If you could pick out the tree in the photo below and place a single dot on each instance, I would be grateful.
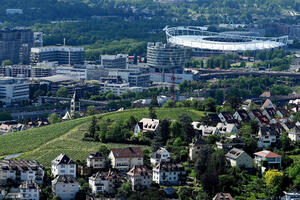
(54, 118)
(6, 63)
(154, 102)
(93, 128)
(152, 113)
(176, 129)
(5, 116)
(164, 130)
(189, 132)
(296, 117)
(91, 110)
(169, 104)
(274, 181)
(62, 92)
(201, 162)
(56, 197)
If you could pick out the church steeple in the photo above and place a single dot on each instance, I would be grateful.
(75, 105)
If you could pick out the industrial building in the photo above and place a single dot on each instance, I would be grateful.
(13, 90)
(62, 54)
(114, 61)
(15, 45)
(164, 58)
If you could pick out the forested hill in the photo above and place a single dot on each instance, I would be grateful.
(221, 10)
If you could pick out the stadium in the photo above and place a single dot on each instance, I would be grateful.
(204, 42)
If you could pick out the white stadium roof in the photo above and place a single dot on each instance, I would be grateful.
(196, 38)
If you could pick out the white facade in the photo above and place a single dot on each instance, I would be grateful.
(126, 158)
(66, 187)
(161, 155)
(139, 178)
(168, 174)
(239, 158)
(95, 160)
(13, 90)
(119, 88)
(29, 190)
(63, 165)
(99, 184)
(76, 73)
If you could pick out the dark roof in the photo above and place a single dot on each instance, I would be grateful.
(65, 179)
(63, 159)
(284, 112)
(271, 111)
(169, 191)
(96, 155)
(139, 170)
(168, 167)
(244, 115)
(130, 152)
(214, 117)
(269, 130)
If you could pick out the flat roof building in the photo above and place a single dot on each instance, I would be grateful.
(13, 90)
(114, 61)
(62, 54)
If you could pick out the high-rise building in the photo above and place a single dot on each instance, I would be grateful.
(15, 45)
(164, 58)
(62, 54)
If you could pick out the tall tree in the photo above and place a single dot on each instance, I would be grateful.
(188, 129)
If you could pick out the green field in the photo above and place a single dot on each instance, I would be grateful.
(44, 144)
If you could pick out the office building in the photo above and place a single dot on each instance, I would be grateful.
(114, 61)
(42, 71)
(13, 90)
(15, 45)
(23, 71)
(77, 73)
(62, 54)
(164, 58)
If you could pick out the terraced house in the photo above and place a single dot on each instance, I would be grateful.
(21, 171)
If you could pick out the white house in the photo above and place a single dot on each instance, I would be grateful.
(227, 118)
(227, 128)
(239, 158)
(20, 171)
(145, 125)
(241, 116)
(65, 186)
(294, 134)
(126, 158)
(104, 182)
(161, 155)
(267, 135)
(63, 165)
(273, 159)
(29, 190)
(205, 130)
(169, 174)
(291, 196)
(139, 177)
(96, 160)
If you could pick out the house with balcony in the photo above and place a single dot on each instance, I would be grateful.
(125, 158)
(63, 165)
(169, 174)
(20, 171)
(65, 186)
(271, 160)
(29, 190)
(139, 177)
(105, 182)
(96, 161)
(267, 135)
(161, 155)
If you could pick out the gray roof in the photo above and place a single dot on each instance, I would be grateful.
(64, 179)
(234, 153)
(63, 159)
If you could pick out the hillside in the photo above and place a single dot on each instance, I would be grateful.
(44, 144)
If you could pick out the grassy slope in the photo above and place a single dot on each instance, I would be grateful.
(44, 144)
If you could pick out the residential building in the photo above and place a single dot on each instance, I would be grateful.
(283, 113)
(114, 61)
(273, 160)
(205, 130)
(96, 160)
(20, 171)
(11, 127)
(169, 174)
(268, 104)
(268, 135)
(13, 90)
(291, 196)
(146, 125)
(29, 190)
(139, 177)
(270, 113)
(239, 158)
(195, 147)
(227, 128)
(246, 104)
(63, 165)
(227, 145)
(227, 118)
(241, 116)
(294, 134)
(104, 182)
(259, 117)
(223, 196)
(15, 45)
(161, 155)
(126, 158)
(62, 54)
(65, 186)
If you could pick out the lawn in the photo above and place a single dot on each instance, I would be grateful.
(67, 137)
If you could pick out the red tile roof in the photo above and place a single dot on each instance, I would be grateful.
(130, 152)
(267, 154)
